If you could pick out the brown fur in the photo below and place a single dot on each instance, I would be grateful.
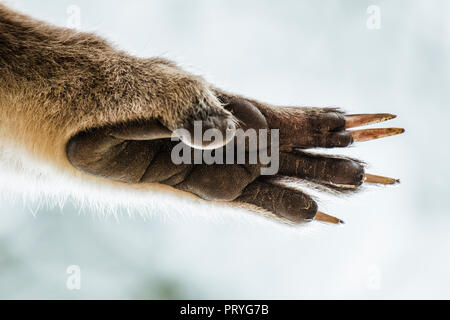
(56, 82)
(71, 100)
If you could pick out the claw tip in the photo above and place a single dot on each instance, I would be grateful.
(370, 178)
(323, 217)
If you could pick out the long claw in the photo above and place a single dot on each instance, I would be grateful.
(323, 217)
(370, 178)
(372, 134)
(358, 120)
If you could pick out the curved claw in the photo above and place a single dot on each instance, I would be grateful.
(372, 134)
(358, 120)
(370, 178)
(323, 217)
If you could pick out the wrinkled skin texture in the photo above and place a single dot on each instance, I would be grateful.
(71, 100)
(132, 153)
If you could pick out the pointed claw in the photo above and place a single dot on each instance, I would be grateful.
(323, 217)
(372, 134)
(358, 120)
(370, 178)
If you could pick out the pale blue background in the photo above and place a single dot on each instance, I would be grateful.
(396, 241)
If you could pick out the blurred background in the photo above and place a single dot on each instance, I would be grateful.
(362, 56)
